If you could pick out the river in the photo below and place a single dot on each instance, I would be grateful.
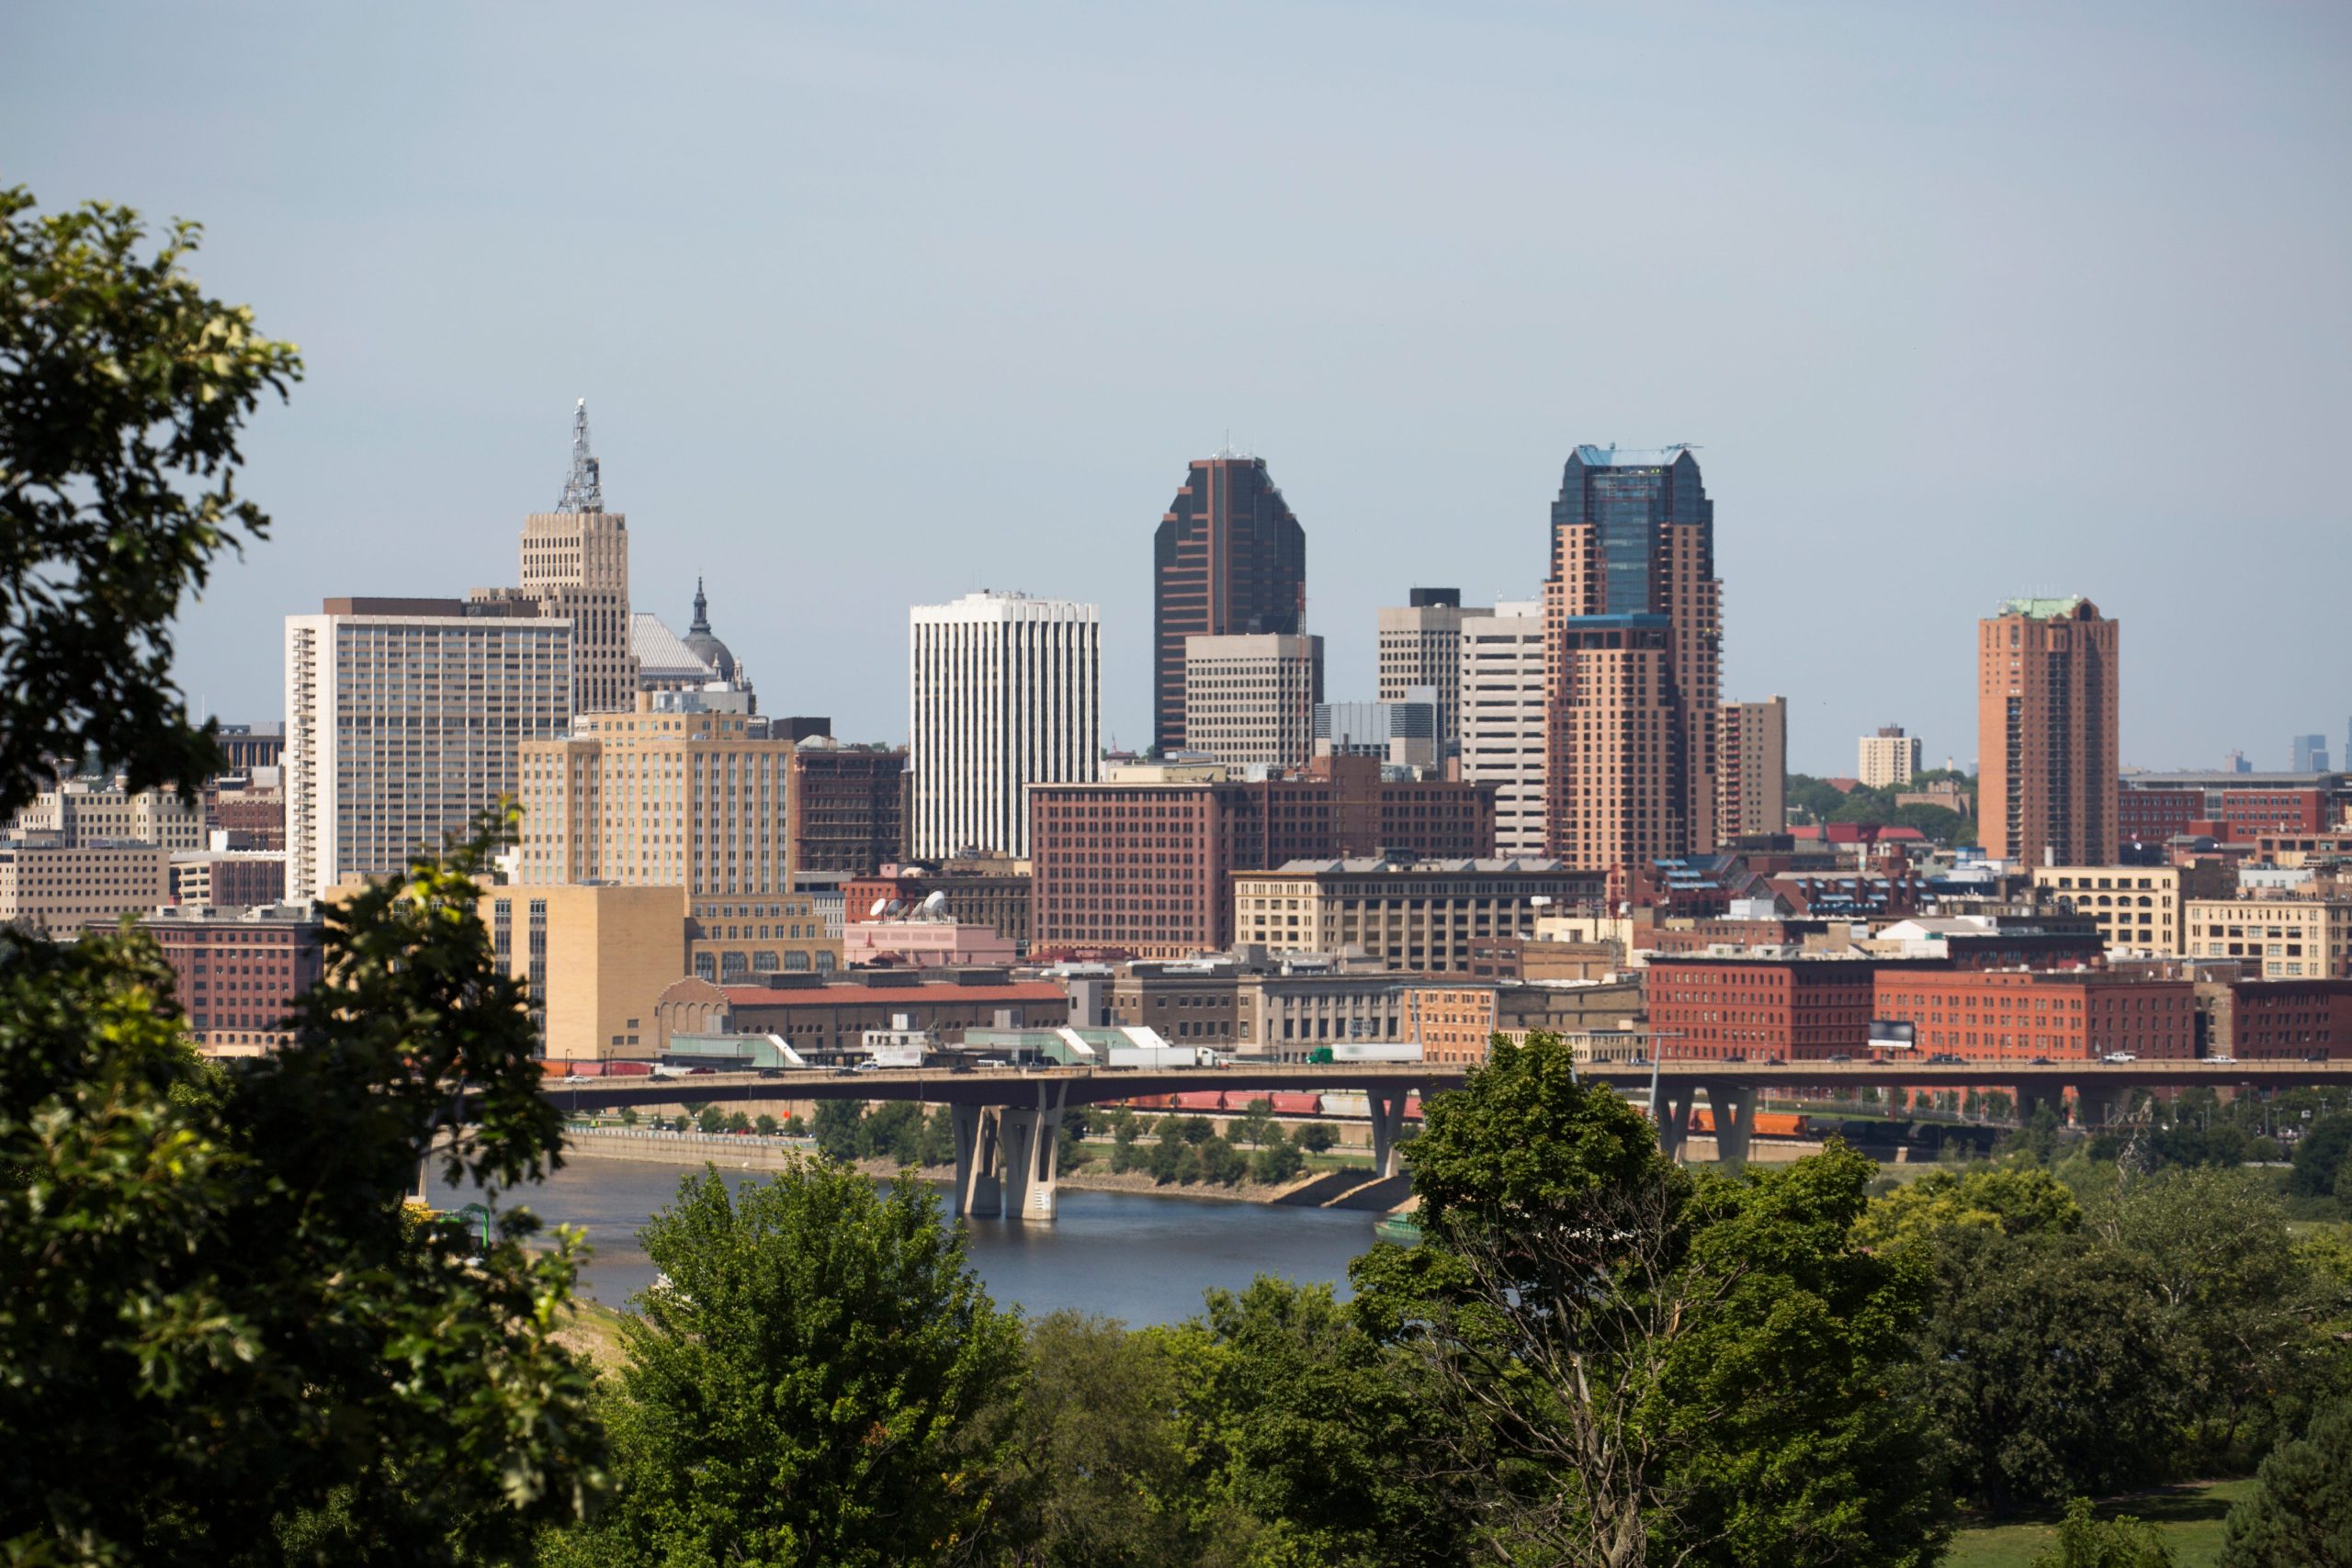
(1140, 1257)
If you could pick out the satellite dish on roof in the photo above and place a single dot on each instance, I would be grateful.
(936, 902)
(898, 907)
(874, 913)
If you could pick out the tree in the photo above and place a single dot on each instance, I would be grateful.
(629, 1116)
(821, 1379)
(837, 1129)
(795, 1126)
(2016, 1198)
(711, 1119)
(1627, 1364)
(2320, 1156)
(766, 1126)
(738, 1123)
(2300, 1513)
(1255, 1125)
(1278, 1162)
(207, 1280)
(938, 1144)
(1195, 1129)
(123, 395)
(679, 1123)
(1069, 1148)
(892, 1131)
(1221, 1163)
(1315, 1137)
(1125, 1155)
(2085, 1541)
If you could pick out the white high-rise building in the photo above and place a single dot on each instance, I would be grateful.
(1889, 757)
(402, 720)
(1004, 691)
(1420, 645)
(1502, 717)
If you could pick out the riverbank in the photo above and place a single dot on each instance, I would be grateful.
(752, 1153)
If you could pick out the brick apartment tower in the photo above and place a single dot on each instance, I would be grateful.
(575, 564)
(1632, 623)
(2046, 732)
(1229, 558)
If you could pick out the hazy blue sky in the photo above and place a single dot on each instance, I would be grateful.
(877, 304)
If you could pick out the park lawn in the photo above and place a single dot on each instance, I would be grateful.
(2190, 1515)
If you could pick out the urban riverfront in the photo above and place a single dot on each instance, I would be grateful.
(1142, 1258)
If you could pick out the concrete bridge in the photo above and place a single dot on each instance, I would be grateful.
(1008, 1118)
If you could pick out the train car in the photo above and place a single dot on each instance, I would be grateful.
(1200, 1100)
(1347, 1102)
(1285, 1102)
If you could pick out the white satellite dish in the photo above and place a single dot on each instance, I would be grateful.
(897, 907)
(876, 912)
(936, 902)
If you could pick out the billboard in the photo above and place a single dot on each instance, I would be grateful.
(1894, 1034)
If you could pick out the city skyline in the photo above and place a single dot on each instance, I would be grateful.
(1959, 256)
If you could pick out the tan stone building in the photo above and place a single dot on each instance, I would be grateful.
(1454, 1021)
(1421, 915)
(575, 567)
(46, 885)
(1888, 759)
(596, 960)
(1752, 768)
(82, 811)
(2136, 908)
(688, 801)
(1250, 699)
(2292, 938)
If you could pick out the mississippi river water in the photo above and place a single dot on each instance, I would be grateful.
(1138, 1258)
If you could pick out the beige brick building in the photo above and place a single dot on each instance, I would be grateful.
(2292, 938)
(81, 811)
(1250, 699)
(1420, 645)
(688, 801)
(2136, 908)
(1888, 759)
(596, 960)
(1421, 915)
(1752, 768)
(575, 568)
(59, 888)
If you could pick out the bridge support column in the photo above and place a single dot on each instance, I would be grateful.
(980, 1188)
(1388, 1108)
(1031, 1152)
(1671, 1110)
(2095, 1106)
(1733, 1106)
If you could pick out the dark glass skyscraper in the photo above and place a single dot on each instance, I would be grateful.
(1632, 615)
(1230, 559)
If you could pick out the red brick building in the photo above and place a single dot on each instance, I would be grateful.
(846, 811)
(2278, 1021)
(237, 972)
(1146, 866)
(1761, 1010)
(2017, 1015)
(2154, 815)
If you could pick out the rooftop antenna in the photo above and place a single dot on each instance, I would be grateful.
(582, 488)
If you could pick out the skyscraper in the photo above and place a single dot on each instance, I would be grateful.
(1752, 769)
(1501, 694)
(2046, 732)
(402, 719)
(1633, 614)
(1251, 699)
(1004, 693)
(1420, 645)
(2307, 754)
(575, 565)
(1229, 558)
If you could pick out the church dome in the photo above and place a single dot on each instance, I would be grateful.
(707, 647)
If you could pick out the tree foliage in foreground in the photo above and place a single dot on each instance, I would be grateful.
(1630, 1364)
(2300, 1513)
(818, 1379)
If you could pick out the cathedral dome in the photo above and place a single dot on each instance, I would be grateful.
(707, 647)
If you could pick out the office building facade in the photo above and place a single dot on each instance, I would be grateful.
(404, 720)
(1402, 731)
(238, 973)
(575, 568)
(1888, 759)
(88, 810)
(848, 807)
(1421, 915)
(1250, 699)
(1004, 693)
(1501, 690)
(1229, 558)
(1421, 645)
(1632, 615)
(2046, 732)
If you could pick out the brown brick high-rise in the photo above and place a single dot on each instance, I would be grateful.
(1230, 559)
(2046, 732)
(1633, 628)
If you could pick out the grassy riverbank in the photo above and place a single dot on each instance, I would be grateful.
(2190, 1518)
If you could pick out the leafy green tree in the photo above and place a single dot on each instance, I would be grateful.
(679, 1123)
(2300, 1513)
(938, 1144)
(2085, 1541)
(629, 1116)
(1315, 1137)
(222, 1340)
(1255, 1125)
(1276, 1163)
(2014, 1199)
(820, 1380)
(1629, 1364)
(837, 1129)
(1068, 1150)
(2320, 1156)
(766, 1126)
(892, 1131)
(123, 395)
(738, 1123)
(795, 1126)
(711, 1118)
(1222, 1164)
(1125, 1153)
(1194, 1130)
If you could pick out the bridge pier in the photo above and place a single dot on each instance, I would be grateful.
(1671, 1111)
(979, 1184)
(2095, 1106)
(1031, 1145)
(1387, 1106)
(1733, 1106)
